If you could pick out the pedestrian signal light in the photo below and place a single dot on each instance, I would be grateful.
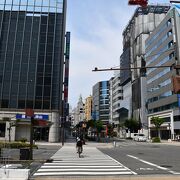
(138, 2)
(176, 84)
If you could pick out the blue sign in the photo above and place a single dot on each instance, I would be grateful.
(178, 100)
(36, 116)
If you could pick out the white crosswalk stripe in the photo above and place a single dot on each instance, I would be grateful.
(92, 162)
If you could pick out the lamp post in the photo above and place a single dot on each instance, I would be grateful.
(169, 127)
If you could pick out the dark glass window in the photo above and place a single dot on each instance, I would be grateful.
(29, 104)
(38, 104)
(39, 91)
(4, 103)
(47, 91)
(46, 105)
(21, 104)
(2, 129)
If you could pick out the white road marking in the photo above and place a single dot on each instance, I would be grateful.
(152, 164)
(149, 163)
(123, 165)
(80, 166)
(79, 169)
(82, 173)
(94, 162)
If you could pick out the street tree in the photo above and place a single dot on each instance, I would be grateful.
(12, 123)
(132, 124)
(157, 121)
(99, 127)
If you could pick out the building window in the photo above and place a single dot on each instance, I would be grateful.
(168, 22)
(2, 129)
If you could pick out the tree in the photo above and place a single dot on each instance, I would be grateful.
(91, 123)
(110, 130)
(99, 127)
(12, 123)
(157, 121)
(132, 124)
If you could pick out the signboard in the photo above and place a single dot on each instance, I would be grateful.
(36, 116)
(178, 100)
(138, 2)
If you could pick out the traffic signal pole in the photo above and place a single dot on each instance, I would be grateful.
(31, 139)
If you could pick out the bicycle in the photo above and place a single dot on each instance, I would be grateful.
(79, 150)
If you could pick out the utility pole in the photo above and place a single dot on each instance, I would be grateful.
(31, 138)
(30, 114)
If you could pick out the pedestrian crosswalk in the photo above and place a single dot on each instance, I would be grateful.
(92, 162)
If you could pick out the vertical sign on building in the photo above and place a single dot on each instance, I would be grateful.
(66, 75)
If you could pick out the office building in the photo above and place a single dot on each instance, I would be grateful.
(115, 98)
(32, 35)
(142, 23)
(162, 49)
(88, 108)
(100, 101)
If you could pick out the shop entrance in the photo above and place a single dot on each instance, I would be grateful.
(41, 133)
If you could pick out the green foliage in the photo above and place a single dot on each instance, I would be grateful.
(99, 125)
(157, 121)
(23, 140)
(91, 123)
(6, 119)
(110, 131)
(132, 124)
(156, 140)
(16, 145)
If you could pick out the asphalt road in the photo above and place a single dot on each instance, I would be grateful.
(147, 158)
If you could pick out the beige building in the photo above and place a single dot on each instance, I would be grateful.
(88, 108)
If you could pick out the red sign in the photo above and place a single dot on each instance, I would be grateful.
(138, 2)
(29, 112)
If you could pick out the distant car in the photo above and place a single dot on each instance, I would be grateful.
(134, 135)
(140, 137)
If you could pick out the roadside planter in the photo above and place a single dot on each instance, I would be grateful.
(14, 174)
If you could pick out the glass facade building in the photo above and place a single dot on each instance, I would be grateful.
(100, 106)
(31, 54)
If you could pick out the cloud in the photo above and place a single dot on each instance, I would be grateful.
(96, 41)
(96, 28)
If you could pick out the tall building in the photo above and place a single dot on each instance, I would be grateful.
(115, 98)
(162, 49)
(32, 35)
(143, 22)
(100, 101)
(88, 108)
(79, 113)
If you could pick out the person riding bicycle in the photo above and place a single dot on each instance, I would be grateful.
(79, 144)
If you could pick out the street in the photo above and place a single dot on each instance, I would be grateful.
(128, 158)
(147, 158)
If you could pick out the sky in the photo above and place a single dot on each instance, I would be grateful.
(96, 28)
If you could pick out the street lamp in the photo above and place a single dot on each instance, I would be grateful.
(169, 127)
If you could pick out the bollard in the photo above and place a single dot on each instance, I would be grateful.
(114, 143)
